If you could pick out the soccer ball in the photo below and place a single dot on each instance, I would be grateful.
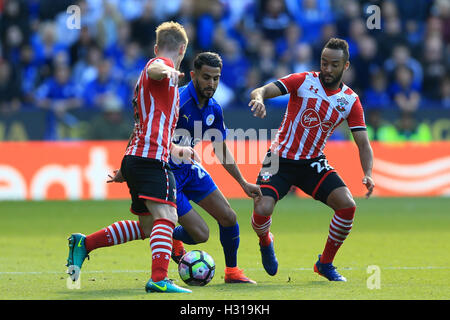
(196, 268)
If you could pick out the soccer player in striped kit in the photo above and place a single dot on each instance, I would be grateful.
(145, 165)
(319, 102)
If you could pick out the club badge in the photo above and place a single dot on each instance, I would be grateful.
(265, 176)
(210, 119)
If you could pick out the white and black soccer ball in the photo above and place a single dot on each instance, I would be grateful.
(196, 268)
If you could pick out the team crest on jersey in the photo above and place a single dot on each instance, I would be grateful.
(342, 103)
(265, 176)
(210, 119)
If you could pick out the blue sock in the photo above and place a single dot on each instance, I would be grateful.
(229, 238)
(180, 234)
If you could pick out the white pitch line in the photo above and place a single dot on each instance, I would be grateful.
(248, 269)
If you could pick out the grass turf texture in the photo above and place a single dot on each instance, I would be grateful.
(407, 238)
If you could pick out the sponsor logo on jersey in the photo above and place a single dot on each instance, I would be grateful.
(311, 119)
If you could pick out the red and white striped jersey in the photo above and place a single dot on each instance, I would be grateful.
(156, 108)
(312, 114)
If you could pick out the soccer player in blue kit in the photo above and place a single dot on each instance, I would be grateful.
(199, 108)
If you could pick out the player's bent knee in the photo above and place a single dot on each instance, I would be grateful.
(197, 228)
(201, 236)
(344, 204)
(264, 206)
(201, 233)
(347, 202)
(351, 203)
(340, 198)
(228, 219)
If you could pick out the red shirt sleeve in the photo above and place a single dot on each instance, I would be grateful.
(355, 118)
(164, 83)
(292, 81)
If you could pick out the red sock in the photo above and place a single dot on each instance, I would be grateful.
(261, 225)
(161, 245)
(117, 233)
(340, 227)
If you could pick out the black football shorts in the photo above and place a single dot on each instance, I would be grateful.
(148, 179)
(315, 177)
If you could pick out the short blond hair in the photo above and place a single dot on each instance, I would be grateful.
(170, 35)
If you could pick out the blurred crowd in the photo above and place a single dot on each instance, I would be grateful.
(404, 65)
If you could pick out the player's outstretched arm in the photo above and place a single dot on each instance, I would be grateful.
(366, 158)
(158, 71)
(258, 96)
(227, 160)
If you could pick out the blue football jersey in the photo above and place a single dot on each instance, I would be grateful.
(196, 124)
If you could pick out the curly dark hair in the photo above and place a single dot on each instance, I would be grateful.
(338, 44)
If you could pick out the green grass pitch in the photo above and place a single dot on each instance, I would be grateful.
(408, 239)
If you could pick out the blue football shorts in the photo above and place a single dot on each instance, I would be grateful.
(193, 184)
